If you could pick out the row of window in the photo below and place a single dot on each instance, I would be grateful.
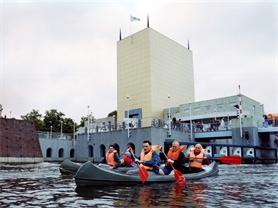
(90, 150)
(49, 153)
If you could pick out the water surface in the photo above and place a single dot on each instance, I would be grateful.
(42, 185)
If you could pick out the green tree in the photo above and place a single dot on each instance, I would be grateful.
(113, 113)
(53, 118)
(35, 117)
(68, 125)
(83, 120)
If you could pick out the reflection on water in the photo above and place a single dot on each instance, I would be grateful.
(42, 185)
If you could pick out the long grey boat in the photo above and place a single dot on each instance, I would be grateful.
(90, 174)
(69, 167)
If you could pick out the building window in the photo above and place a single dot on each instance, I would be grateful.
(72, 153)
(208, 107)
(232, 104)
(102, 150)
(49, 152)
(220, 106)
(90, 151)
(61, 152)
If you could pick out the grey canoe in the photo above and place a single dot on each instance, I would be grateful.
(90, 174)
(70, 167)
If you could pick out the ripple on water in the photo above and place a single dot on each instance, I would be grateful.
(42, 185)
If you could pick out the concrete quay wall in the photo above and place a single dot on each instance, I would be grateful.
(98, 141)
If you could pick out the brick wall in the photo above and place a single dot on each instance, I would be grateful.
(18, 138)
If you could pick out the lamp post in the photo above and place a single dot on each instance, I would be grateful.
(115, 123)
(127, 98)
(214, 114)
(191, 130)
(169, 115)
(50, 132)
(240, 111)
(73, 132)
(88, 127)
(228, 122)
(61, 128)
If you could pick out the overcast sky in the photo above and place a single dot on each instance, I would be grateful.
(62, 54)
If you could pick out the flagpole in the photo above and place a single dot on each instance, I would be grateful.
(131, 20)
(240, 111)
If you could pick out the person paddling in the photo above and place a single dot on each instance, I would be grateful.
(149, 159)
(111, 158)
(196, 159)
(129, 156)
(175, 156)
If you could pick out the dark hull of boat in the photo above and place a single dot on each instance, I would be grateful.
(90, 174)
(69, 167)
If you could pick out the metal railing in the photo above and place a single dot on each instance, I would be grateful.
(139, 123)
(54, 135)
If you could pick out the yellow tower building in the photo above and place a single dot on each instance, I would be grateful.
(153, 73)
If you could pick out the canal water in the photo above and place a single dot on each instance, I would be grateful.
(42, 185)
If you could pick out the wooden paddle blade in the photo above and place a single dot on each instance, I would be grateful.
(179, 177)
(234, 159)
(143, 173)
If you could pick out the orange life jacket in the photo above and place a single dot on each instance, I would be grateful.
(196, 160)
(174, 155)
(110, 158)
(148, 156)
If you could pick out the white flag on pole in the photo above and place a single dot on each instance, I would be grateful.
(134, 19)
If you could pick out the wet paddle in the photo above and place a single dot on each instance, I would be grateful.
(143, 173)
(178, 175)
(234, 159)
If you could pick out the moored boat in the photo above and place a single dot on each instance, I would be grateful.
(90, 174)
